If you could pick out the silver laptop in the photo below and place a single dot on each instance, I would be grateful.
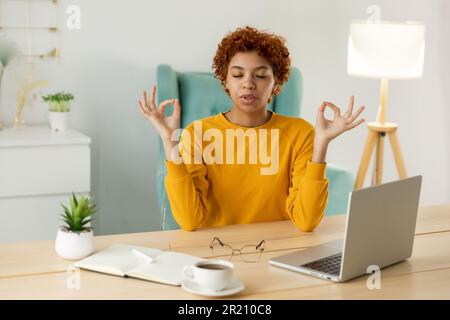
(380, 227)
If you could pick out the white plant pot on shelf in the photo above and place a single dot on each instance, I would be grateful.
(58, 121)
(72, 246)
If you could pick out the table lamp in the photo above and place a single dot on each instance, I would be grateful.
(384, 50)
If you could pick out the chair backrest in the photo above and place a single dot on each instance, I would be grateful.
(201, 95)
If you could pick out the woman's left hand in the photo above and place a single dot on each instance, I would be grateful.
(327, 130)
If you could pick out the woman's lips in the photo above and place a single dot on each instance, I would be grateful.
(248, 99)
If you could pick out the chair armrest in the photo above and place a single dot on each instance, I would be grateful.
(167, 220)
(340, 184)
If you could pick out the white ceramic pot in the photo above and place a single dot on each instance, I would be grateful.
(58, 121)
(72, 246)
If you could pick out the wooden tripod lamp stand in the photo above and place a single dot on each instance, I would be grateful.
(384, 50)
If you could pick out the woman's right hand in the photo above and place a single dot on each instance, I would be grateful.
(164, 125)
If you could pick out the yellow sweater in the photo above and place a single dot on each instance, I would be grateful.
(213, 187)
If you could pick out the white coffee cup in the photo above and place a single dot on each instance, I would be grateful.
(212, 275)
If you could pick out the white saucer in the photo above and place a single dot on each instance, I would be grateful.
(233, 287)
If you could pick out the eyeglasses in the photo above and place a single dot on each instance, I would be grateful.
(248, 253)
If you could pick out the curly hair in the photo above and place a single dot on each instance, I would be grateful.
(267, 45)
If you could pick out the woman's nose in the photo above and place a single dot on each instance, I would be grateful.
(248, 84)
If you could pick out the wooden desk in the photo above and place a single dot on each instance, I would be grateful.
(32, 270)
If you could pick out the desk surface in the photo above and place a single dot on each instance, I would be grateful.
(32, 270)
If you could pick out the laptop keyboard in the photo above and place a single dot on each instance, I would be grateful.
(330, 265)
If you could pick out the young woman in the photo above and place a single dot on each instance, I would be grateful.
(252, 66)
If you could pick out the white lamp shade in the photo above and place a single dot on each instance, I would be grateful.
(389, 50)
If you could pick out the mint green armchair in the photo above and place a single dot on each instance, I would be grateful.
(201, 95)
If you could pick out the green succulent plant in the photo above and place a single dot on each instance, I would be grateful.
(59, 102)
(80, 214)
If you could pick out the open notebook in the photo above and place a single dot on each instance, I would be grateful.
(140, 262)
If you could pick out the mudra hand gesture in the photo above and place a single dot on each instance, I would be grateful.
(327, 130)
(164, 125)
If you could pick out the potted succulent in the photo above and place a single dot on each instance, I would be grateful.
(75, 240)
(59, 108)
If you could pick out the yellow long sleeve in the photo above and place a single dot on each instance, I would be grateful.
(308, 194)
(187, 192)
(210, 194)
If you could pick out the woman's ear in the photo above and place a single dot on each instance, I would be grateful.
(225, 85)
(275, 89)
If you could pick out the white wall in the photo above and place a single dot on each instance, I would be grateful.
(114, 56)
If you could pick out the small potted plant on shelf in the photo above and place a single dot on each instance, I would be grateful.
(75, 240)
(59, 108)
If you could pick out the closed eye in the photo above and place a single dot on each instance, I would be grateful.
(261, 77)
